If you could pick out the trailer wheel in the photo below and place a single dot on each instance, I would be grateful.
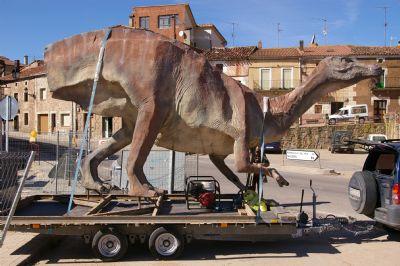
(109, 245)
(165, 243)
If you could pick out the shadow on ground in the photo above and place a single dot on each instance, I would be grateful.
(73, 250)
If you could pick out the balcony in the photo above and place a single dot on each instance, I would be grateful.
(277, 85)
(389, 83)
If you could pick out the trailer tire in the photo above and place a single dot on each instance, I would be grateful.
(109, 245)
(166, 243)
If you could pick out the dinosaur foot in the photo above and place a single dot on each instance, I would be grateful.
(142, 191)
(99, 187)
(158, 190)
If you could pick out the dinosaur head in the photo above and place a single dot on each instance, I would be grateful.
(346, 70)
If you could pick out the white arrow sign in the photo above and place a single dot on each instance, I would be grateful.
(301, 155)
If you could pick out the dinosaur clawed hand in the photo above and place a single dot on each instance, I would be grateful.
(272, 172)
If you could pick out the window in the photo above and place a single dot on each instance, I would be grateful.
(16, 96)
(382, 80)
(164, 22)
(65, 120)
(26, 95)
(287, 78)
(16, 84)
(42, 94)
(144, 22)
(26, 119)
(318, 109)
(265, 81)
(26, 83)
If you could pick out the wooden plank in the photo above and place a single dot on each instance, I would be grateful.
(159, 202)
(86, 203)
(100, 205)
(249, 211)
(242, 212)
(135, 211)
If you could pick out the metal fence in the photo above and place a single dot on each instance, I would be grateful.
(56, 156)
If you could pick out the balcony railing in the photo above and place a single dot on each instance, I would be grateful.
(276, 85)
(389, 83)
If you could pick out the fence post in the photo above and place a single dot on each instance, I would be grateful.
(68, 160)
(57, 159)
(197, 164)
(172, 172)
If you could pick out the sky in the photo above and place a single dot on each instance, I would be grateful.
(27, 26)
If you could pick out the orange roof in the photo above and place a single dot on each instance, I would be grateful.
(230, 53)
(375, 50)
(6, 60)
(27, 72)
(270, 53)
(328, 50)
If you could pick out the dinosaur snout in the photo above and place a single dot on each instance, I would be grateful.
(376, 70)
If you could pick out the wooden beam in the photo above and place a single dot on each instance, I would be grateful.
(249, 211)
(135, 211)
(100, 205)
(86, 203)
(159, 202)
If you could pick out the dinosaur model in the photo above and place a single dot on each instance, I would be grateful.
(168, 94)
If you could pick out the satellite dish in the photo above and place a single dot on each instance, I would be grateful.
(182, 34)
(13, 108)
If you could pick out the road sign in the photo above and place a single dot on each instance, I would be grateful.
(12, 104)
(301, 155)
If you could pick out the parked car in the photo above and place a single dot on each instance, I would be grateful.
(273, 147)
(376, 137)
(375, 191)
(339, 142)
(351, 112)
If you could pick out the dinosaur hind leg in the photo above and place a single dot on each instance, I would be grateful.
(218, 161)
(148, 124)
(91, 180)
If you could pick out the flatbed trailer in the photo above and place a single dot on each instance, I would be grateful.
(164, 223)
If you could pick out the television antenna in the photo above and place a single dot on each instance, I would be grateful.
(279, 30)
(385, 9)
(325, 28)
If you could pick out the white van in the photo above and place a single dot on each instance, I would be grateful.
(351, 112)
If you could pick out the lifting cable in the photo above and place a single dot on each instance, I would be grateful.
(89, 113)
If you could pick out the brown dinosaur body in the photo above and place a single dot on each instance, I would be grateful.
(169, 95)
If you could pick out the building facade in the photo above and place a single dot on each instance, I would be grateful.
(276, 71)
(176, 22)
(39, 111)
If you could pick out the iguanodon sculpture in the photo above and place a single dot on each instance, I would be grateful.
(168, 94)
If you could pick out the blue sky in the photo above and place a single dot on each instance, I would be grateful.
(27, 26)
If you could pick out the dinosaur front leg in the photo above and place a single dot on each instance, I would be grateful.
(243, 165)
(218, 161)
(148, 124)
(90, 164)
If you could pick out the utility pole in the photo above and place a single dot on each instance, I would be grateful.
(385, 8)
(279, 30)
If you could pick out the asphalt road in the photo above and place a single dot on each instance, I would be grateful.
(330, 249)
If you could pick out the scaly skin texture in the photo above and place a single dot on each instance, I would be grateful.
(169, 95)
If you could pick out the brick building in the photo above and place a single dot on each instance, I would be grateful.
(275, 71)
(39, 111)
(177, 22)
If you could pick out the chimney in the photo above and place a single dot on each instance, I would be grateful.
(259, 45)
(26, 61)
(301, 45)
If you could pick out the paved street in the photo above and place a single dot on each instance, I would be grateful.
(331, 249)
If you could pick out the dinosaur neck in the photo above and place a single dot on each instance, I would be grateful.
(287, 108)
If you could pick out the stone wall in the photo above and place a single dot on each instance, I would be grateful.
(320, 137)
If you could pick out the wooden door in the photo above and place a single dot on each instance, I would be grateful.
(43, 123)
